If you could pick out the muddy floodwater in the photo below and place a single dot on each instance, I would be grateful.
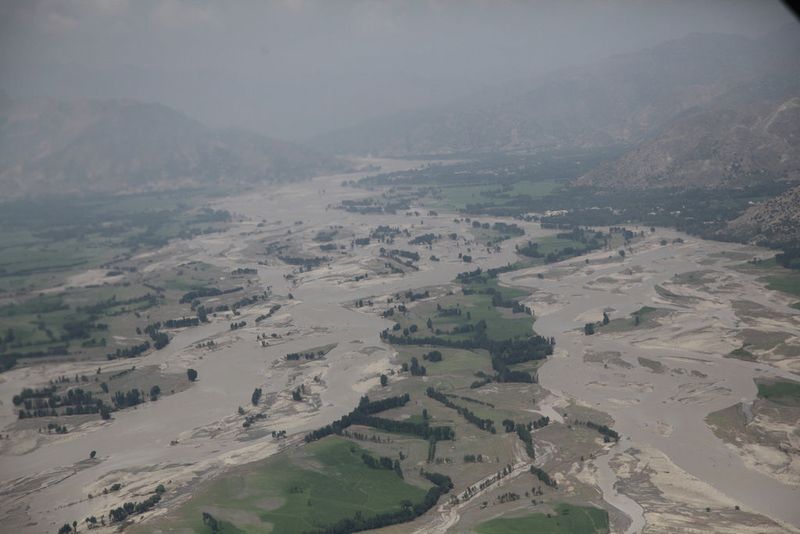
(194, 434)
(663, 406)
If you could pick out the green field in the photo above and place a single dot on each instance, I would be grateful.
(459, 197)
(780, 391)
(567, 519)
(500, 323)
(297, 491)
(648, 318)
(788, 282)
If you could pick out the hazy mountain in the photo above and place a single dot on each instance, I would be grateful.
(123, 145)
(750, 133)
(619, 100)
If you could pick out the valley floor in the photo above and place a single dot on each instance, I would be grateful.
(656, 380)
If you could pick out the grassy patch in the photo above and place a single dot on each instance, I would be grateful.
(302, 490)
(644, 317)
(742, 354)
(459, 197)
(788, 282)
(568, 519)
(780, 391)
(500, 323)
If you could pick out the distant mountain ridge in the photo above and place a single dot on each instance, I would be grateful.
(618, 100)
(751, 133)
(71, 147)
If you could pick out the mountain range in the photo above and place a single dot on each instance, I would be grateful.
(55, 147)
(703, 111)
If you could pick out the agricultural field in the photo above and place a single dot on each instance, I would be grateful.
(304, 490)
(565, 519)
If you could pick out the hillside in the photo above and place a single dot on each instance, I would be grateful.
(621, 100)
(125, 146)
(749, 134)
(774, 222)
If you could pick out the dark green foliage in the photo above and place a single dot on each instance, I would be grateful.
(483, 424)
(362, 415)
(543, 476)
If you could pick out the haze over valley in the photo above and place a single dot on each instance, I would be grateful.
(432, 267)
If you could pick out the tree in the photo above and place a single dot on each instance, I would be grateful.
(384, 380)
(92, 455)
(211, 522)
(155, 391)
(605, 318)
(192, 374)
(588, 329)
(621, 253)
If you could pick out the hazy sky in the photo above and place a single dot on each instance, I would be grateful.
(294, 68)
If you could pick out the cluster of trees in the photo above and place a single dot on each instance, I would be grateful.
(97, 308)
(160, 339)
(55, 427)
(542, 475)
(508, 496)
(508, 229)
(238, 325)
(384, 462)
(432, 356)
(415, 368)
(499, 302)
(789, 258)
(134, 508)
(129, 352)
(503, 352)
(270, 313)
(408, 511)
(306, 264)
(126, 400)
(207, 292)
(294, 356)
(483, 424)
(542, 422)
(473, 458)
(411, 296)
(424, 239)
(448, 312)
(183, 322)
(246, 301)
(608, 433)
(45, 402)
(244, 271)
(524, 434)
(363, 414)
(211, 522)
(387, 233)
